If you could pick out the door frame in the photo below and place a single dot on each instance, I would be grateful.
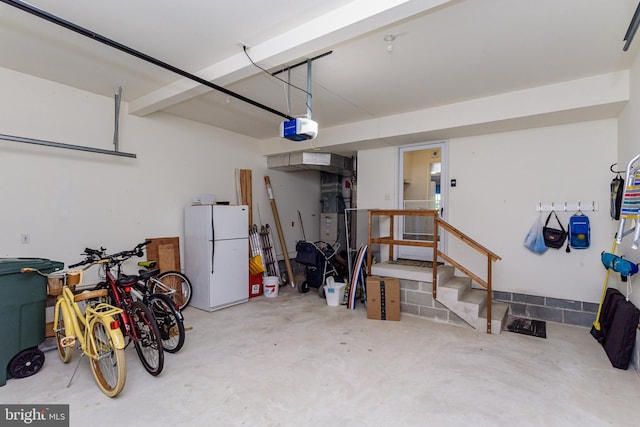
(444, 191)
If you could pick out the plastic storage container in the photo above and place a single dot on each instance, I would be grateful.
(334, 292)
(23, 298)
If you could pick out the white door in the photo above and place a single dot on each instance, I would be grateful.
(421, 186)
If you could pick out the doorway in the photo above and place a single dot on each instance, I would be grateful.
(422, 173)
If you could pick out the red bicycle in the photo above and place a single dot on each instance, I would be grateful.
(144, 287)
(136, 320)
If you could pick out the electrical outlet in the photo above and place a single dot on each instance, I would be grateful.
(25, 238)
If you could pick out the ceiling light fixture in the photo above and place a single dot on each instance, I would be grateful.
(389, 38)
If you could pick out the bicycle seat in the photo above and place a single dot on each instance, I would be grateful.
(125, 280)
(146, 274)
(148, 264)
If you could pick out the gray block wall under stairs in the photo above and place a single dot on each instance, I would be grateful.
(457, 302)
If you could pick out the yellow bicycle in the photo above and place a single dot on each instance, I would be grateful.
(97, 334)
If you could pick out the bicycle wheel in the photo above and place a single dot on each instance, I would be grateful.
(147, 338)
(61, 329)
(108, 367)
(169, 321)
(179, 283)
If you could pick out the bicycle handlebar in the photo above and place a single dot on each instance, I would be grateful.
(78, 264)
(125, 255)
(97, 255)
(97, 252)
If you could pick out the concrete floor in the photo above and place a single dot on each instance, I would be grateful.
(294, 361)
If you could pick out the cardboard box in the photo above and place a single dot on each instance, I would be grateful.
(383, 298)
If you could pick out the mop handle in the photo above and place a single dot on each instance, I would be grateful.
(596, 323)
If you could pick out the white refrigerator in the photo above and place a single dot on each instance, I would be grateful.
(216, 254)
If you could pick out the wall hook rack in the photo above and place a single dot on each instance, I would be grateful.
(567, 207)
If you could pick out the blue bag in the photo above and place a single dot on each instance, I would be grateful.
(579, 231)
(534, 240)
(618, 264)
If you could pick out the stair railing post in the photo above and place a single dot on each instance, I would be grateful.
(392, 236)
(436, 224)
(489, 293)
(369, 245)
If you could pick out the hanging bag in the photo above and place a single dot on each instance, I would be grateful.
(553, 237)
(618, 264)
(534, 241)
(579, 231)
(617, 191)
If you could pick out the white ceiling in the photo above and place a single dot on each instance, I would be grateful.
(444, 52)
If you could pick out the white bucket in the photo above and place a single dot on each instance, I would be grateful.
(270, 286)
(334, 293)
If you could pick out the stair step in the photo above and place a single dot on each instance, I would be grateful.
(454, 288)
(445, 272)
(468, 303)
(499, 313)
(475, 296)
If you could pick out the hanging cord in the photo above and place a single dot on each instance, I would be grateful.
(629, 290)
(284, 88)
(244, 48)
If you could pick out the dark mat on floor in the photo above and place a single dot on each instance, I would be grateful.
(414, 263)
(520, 325)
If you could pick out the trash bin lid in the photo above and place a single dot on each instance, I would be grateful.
(13, 265)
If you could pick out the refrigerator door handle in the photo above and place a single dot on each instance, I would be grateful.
(213, 240)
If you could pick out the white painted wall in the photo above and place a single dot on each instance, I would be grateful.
(377, 187)
(67, 200)
(500, 180)
(377, 178)
(628, 148)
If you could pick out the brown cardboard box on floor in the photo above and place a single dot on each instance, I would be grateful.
(383, 298)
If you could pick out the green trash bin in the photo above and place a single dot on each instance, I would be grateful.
(23, 297)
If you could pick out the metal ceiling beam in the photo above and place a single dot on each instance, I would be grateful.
(335, 27)
(633, 27)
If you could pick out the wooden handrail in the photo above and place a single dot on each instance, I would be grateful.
(466, 239)
(438, 222)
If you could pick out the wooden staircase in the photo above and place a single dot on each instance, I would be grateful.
(457, 294)
(474, 306)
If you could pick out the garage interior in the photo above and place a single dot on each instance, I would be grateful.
(118, 118)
